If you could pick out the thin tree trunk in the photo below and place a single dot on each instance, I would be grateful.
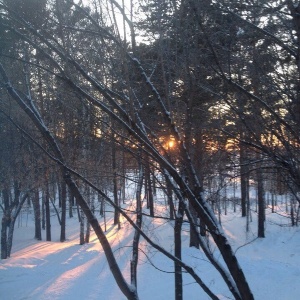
(115, 184)
(63, 211)
(260, 203)
(37, 215)
(81, 229)
(48, 215)
(244, 179)
(71, 204)
(170, 198)
(88, 226)
(177, 252)
(148, 187)
(136, 238)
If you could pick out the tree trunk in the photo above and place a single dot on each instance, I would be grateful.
(136, 238)
(43, 213)
(48, 215)
(148, 187)
(88, 226)
(170, 198)
(177, 251)
(37, 215)
(244, 179)
(4, 227)
(260, 203)
(5, 222)
(63, 211)
(81, 228)
(115, 184)
(12, 224)
(71, 204)
(194, 241)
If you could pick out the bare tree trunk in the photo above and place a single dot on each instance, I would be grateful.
(115, 184)
(4, 227)
(63, 211)
(12, 223)
(136, 238)
(81, 228)
(48, 214)
(148, 187)
(177, 251)
(5, 222)
(260, 203)
(170, 198)
(71, 204)
(244, 179)
(37, 215)
(88, 225)
(194, 241)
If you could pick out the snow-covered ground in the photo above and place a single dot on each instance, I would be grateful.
(53, 270)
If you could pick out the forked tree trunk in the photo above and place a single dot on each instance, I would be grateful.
(5, 222)
(4, 228)
(14, 216)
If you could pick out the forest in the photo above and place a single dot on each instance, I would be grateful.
(196, 99)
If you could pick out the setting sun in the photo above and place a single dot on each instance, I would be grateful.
(171, 144)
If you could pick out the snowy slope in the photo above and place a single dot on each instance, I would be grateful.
(54, 270)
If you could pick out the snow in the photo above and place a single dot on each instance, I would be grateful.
(53, 270)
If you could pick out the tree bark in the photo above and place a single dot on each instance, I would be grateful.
(261, 203)
(48, 215)
(37, 215)
(244, 179)
(136, 238)
(63, 211)
(4, 227)
(177, 252)
(115, 184)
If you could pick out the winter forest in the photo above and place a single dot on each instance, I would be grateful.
(161, 137)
